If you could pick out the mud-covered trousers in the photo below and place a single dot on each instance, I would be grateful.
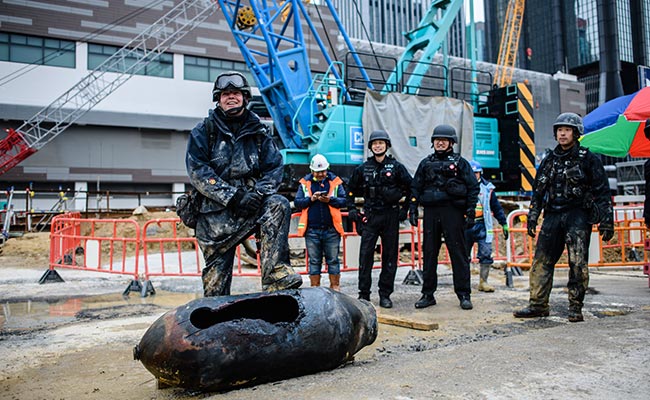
(273, 219)
(385, 224)
(559, 228)
(447, 221)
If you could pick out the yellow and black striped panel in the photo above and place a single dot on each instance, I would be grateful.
(526, 136)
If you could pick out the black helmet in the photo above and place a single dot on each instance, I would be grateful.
(231, 80)
(444, 132)
(378, 135)
(569, 119)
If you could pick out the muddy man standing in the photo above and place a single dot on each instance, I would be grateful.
(572, 188)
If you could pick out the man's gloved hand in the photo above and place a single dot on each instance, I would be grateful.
(353, 215)
(532, 228)
(413, 215)
(403, 214)
(251, 202)
(470, 218)
(506, 231)
(606, 230)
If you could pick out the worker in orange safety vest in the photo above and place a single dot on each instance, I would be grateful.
(320, 197)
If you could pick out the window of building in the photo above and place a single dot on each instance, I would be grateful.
(207, 69)
(162, 67)
(37, 50)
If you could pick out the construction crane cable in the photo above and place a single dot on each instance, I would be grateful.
(40, 62)
(322, 23)
(365, 31)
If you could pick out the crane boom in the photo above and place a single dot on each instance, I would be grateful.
(271, 39)
(509, 43)
(428, 37)
(145, 48)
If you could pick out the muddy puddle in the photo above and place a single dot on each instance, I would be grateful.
(16, 317)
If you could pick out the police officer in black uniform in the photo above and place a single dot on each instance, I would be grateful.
(234, 163)
(572, 188)
(382, 181)
(446, 187)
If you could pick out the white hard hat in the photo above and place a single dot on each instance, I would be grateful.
(319, 163)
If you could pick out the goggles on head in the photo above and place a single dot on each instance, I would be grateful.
(234, 81)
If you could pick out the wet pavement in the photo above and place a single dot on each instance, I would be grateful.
(75, 340)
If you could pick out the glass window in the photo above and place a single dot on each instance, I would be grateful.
(37, 50)
(162, 67)
(207, 69)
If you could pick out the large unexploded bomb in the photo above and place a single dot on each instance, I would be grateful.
(221, 343)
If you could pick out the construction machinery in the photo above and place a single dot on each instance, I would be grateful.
(144, 49)
(312, 113)
(509, 44)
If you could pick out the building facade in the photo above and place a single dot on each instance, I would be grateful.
(601, 41)
(134, 140)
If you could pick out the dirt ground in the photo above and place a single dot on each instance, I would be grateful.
(75, 339)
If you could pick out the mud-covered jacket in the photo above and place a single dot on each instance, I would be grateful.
(444, 179)
(219, 161)
(381, 185)
(318, 214)
(572, 179)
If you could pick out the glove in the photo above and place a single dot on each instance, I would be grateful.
(413, 215)
(532, 228)
(470, 218)
(606, 231)
(353, 215)
(506, 231)
(251, 202)
(403, 214)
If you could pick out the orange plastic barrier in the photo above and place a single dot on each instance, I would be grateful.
(345, 265)
(102, 245)
(622, 250)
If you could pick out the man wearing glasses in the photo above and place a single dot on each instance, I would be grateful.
(236, 166)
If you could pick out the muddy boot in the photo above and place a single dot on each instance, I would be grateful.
(575, 314)
(314, 280)
(335, 282)
(531, 312)
(483, 286)
(282, 277)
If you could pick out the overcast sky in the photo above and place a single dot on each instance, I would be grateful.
(478, 10)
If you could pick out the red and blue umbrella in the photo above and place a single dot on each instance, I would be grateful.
(616, 127)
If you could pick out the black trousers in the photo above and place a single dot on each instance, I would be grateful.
(447, 221)
(382, 224)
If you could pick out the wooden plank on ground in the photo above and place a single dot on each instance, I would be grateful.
(407, 323)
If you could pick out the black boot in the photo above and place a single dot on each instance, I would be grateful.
(385, 302)
(364, 296)
(575, 314)
(466, 303)
(425, 301)
(531, 312)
